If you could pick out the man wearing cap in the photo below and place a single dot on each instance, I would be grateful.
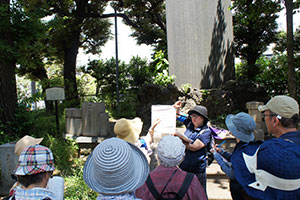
(167, 179)
(281, 116)
(36, 165)
(270, 169)
(198, 132)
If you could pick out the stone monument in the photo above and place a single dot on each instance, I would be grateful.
(200, 39)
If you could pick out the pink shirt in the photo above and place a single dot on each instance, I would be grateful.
(160, 176)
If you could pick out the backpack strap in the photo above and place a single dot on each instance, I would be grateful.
(185, 185)
(152, 188)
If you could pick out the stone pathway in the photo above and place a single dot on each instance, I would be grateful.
(217, 183)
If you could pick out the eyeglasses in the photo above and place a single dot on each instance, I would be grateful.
(264, 115)
(194, 116)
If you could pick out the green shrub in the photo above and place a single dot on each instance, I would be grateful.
(64, 151)
(76, 188)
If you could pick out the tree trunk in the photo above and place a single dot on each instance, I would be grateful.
(8, 91)
(290, 49)
(70, 56)
(252, 68)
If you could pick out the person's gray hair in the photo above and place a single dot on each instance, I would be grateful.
(170, 151)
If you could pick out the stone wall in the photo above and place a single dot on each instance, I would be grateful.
(150, 95)
(230, 98)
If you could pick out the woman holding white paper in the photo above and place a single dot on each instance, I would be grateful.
(197, 131)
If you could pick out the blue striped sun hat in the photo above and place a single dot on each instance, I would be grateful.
(115, 167)
(35, 159)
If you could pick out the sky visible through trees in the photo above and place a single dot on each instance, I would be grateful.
(129, 48)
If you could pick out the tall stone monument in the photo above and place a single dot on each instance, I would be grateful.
(200, 42)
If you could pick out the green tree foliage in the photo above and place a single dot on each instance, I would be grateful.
(274, 70)
(148, 20)
(254, 29)
(73, 24)
(132, 76)
(20, 44)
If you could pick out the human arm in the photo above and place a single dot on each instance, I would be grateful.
(149, 137)
(179, 116)
(223, 153)
(202, 140)
(225, 165)
(195, 146)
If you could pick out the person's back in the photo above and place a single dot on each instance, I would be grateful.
(169, 181)
(269, 169)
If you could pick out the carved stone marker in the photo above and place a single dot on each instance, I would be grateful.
(74, 121)
(200, 38)
(94, 119)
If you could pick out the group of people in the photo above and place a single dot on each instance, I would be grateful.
(118, 168)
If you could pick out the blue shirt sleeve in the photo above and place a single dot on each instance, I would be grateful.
(182, 117)
(205, 137)
(225, 165)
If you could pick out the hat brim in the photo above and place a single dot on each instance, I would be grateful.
(238, 134)
(262, 108)
(141, 171)
(30, 170)
(194, 111)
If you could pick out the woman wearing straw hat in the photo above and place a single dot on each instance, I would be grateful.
(130, 130)
(200, 135)
(242, 126)
(115, 169)
(168, 179)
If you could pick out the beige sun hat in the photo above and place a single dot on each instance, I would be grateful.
(128, 129)
(282, 105)
(25, 142)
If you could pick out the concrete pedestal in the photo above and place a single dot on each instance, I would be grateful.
(8, 163)
(260, 125)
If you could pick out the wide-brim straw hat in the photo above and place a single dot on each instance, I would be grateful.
(128, 129)
(25, 142)
(115, 167)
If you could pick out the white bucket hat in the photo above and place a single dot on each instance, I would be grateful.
(170, 151)
(128, 129)
(115, 167)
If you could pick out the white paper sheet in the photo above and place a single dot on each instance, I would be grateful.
(167, 115)
(56, 185)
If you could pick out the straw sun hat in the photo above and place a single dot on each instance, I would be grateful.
(128, 129)
(115, 167)
(25, 142)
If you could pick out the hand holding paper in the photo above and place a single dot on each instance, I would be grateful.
(183, 137)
